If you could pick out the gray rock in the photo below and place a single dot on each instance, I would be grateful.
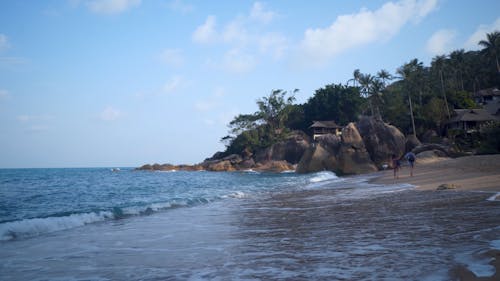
(412, 142)
(381, 139)
(344, 155)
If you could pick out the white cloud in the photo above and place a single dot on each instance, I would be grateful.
(480, 34)
(212, 102)
(205, 105)
(111, 6)
(4, 42)
(4, 94)
(110, 114)
(37, 128)
(260, 14)
(172, 57)
(349, 31)
(441, 42)
(247, 42)
(237, 61)
(180, 6)
(236, 33)
(173, 84)
(206, 32)
(33, 118)
(274, 44)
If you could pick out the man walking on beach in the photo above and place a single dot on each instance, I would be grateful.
(410, 156)
(395, 165)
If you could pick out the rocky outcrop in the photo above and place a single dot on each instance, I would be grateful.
(381, 139)
(290, 150)
(446, 150)
(361, 148)
(343, 155)
(411, 142)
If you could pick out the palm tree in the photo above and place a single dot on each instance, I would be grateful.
(457, 60)
(439, 63)
(408, 72)
(355, 77)
(384, 75)
(492, 46)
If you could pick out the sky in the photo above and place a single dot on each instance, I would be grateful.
(121, 83)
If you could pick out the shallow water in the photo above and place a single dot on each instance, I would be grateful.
(335, 229)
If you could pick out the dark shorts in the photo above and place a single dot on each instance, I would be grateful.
(412, 163)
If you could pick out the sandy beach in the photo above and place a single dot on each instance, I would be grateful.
(470, 173)
(480, 173)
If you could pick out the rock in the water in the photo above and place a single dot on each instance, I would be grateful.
(274, 166)
(219, 166)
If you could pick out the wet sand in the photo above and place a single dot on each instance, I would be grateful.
(471, 173)
(479, 173)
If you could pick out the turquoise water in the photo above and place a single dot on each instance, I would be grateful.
(35, 201)
(96, 224)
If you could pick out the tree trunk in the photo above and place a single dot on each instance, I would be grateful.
(444, 94)
(411, 114)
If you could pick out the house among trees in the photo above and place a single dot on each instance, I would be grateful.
(470, 120)
(325, 127)
(489, 99)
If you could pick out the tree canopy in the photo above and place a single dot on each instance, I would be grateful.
(421, 98)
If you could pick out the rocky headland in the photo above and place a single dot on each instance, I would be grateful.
(363, 147)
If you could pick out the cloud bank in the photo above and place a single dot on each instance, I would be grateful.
(244, 37)
(111, 6)
(441, 42)
(320, 45)
(480, 34)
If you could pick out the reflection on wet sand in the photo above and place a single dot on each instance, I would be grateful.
(412, 235)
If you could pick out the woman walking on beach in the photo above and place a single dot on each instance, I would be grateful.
(395, 165)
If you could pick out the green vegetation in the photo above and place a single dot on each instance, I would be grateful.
(422, 98)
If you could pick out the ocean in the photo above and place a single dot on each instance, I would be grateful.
(100, 224)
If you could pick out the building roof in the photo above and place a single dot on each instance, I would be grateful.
(472, 115)
(487, 92)
(493, 107)
(325, 124)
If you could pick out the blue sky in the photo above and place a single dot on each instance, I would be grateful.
(87, 83)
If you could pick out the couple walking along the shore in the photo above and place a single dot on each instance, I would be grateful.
(396, 163)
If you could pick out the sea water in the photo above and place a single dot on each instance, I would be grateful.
(103, 224)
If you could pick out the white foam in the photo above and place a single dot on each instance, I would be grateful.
(323, 176)
(37, 226)
(236, 194)
(480, 267)
(250, 171)
(495, 197)
(495, 244)
(288, 171)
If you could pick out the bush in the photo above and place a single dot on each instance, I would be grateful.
(490, 139)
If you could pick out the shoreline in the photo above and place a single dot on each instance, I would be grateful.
(468, 173)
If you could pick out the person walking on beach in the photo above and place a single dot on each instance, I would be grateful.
(395, 165)
(410, 156)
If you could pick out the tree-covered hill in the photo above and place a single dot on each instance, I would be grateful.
(416, 98)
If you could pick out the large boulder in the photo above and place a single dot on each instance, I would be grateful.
(381, 139)
(446, 151)
(317, 158)
(353, 156)
(274, 166)
(343, 155)
(290, 150)
(219, 166)
(411, 142)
